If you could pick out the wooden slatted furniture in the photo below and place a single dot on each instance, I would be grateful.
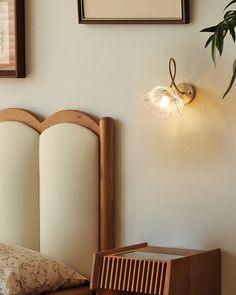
(143, 269)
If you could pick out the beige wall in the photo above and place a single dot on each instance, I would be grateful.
(175, 179)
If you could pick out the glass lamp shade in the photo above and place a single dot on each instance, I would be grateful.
(165, 100)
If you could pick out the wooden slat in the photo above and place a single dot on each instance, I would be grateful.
(158, 276)
(117, 274)
(162, 279)
(148, 277)
(153, 273)
(97, 279)
(104, 269)
(134, 278)
(113, 272)
(108, 272)
(142, 286)
(121, 278)
(131, 271)
(138, 283)
(126, 273)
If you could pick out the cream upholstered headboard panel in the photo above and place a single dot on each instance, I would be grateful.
(69, 194)
(19, 185)
(56, 184)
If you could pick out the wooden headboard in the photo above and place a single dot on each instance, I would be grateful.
(57, 184)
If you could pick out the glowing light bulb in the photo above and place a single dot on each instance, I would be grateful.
(164, 102)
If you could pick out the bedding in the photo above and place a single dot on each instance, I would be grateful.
(24, 271)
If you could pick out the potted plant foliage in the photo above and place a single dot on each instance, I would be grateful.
(218, 34)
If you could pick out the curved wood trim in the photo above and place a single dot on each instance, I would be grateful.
(66, 116)
(71, 116)
(21, 116)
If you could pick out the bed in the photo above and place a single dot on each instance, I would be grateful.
(57, 186)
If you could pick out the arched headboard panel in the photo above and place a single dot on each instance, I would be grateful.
(64, 163)
(19, 184)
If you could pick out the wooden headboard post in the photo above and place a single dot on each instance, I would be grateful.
(107, 226)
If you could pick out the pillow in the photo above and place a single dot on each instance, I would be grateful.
(24, 271)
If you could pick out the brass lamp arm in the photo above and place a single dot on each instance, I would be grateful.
(172, 72)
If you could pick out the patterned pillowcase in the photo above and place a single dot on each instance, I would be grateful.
(24, 271)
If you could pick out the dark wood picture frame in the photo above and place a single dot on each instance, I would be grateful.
(12, 64)
(183, 20)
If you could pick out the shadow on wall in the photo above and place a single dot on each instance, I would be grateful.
(203, 132)
(201, 146)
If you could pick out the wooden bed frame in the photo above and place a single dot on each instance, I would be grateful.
(104, 130)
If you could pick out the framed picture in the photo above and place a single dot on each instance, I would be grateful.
(134, 11)
(12, 39)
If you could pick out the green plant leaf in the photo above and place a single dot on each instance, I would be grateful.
(210, 29)
(229, 14)
(230, 3)
(230, 23)
(213, 51)
(231, 81)
(219, 32)
(232, 32)
(209, 40)
(219, 39)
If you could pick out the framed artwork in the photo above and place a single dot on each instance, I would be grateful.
(134, 11)
(12, 39)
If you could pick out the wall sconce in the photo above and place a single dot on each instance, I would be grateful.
(170, 100)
